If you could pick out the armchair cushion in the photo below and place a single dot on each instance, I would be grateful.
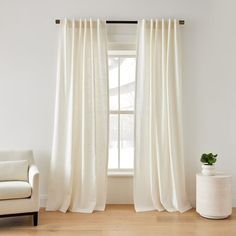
(14, 170)
(14, 190)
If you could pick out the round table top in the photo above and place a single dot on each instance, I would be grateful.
(217, 175)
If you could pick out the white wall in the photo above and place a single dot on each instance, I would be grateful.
(28, 42)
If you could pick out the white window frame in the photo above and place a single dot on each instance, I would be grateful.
(120, 172)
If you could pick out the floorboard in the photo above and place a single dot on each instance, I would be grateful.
(119, 220)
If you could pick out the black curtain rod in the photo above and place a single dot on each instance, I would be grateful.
(181, 22)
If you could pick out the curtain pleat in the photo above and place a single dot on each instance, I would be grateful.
(78, 171)
(159, 180)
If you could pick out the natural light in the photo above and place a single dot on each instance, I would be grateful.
(122, 94)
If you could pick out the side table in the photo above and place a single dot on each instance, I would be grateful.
(214, 196)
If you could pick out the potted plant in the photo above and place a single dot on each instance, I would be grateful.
(208, 160)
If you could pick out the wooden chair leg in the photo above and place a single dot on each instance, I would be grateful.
(35, 218)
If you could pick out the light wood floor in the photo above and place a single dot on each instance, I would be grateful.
(119, 220)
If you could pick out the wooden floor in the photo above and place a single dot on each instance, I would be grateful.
(119, 220)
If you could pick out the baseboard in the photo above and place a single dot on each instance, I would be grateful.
(234, 202)
(43, 200)
(192, 199)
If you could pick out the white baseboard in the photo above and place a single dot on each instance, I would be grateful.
(43, 200)
(233, 202)
(44, 197)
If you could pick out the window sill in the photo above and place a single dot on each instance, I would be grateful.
(120, 173)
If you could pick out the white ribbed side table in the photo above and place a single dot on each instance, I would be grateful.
(214, 197)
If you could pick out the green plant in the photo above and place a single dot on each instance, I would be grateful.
(209, 159)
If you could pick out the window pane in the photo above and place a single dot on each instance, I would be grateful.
(113, 142)
(113, 82)
(126, 141)
(127, 83)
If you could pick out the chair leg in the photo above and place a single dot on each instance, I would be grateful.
(35, 218)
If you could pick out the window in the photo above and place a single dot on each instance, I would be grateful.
(122, 100)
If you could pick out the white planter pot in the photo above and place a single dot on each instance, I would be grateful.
(208, 170)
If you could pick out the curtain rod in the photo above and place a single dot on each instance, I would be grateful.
(181, 22)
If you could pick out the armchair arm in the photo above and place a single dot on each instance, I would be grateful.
(33, 176)
(34, 182)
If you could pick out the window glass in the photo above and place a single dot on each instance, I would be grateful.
(126, 141)
(113, 82)
(127, 83)
(113, 142)
(122, 97)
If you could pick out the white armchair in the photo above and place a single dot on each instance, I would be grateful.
(19, 196)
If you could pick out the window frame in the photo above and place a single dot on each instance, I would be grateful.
(123, 172)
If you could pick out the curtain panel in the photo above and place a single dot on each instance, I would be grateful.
(78, 171)
(159, 181)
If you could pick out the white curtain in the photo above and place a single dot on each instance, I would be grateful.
(159, 181)
(80, 141)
